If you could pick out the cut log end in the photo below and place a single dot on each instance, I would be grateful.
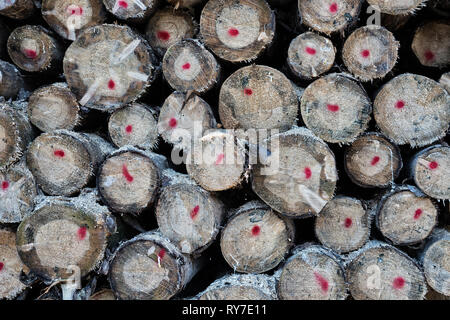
(431, 44)
(398, 7)
(105, 294)
(131, 10)
(11, 80)
(17, 9)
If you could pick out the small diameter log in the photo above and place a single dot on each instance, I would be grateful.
(370, 52)
(435, 259)
(258, 97)
(406, 216)
(105, 294)
(412, 109)
(54, 107)
(343, 224)
(136, 11)
(34, 49)
(397, 7)
(189, 4)
(373, 161)
(134, 125)
(431, 171)
(168, 26)
(329, 16)
(15, 134)
(183, 118)
(299, 175)
(256, 239)
(217, 161)
(11, 80)
(17, 193)
(310, 55)
(336, 108)
(16, 9)
(69, 17)
(241, 287)
(188, 66)
(444, 81)
(63, 162)
(188, 215)
(109, 66)
(379, 271)
(129, 179)
(237, 31)
(312, 272)
(431, 44)
(149, 267)
(10, 266)
(64, 237)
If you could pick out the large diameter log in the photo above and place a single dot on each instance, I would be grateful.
(373, 161)
(34, 49)
(397, 7)
(149, 267)
(336, 108)
(412, 109)
(237, 31)
(255, 239)
(430, 169)
(188, 215)
(258, 97)
(17, 193)
(129, 179)
(343, 224)
(108, 66)
(431, 44)
(11, 266)
(63, 162)
(16, 9)
(69, 17)
(380, 271)
(312, 272)
(435, 258)
(241, 287)
(329, 16)
(299, 175)
(135, 11)
(11, 80)
(63, 236)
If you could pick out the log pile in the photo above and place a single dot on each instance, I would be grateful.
(224, 149)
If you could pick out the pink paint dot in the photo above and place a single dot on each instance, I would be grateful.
(1, 266)
(417, 214)
(161, 253)
(308, 172)
(111, 84)
(365, 53)
(348, 222)
(375, 160)
(333, 7)
(59, 153)
(310, 51)
(220, 158)
(256, 230)
(429, 55)
(129, 129)
(400, 104)
(74, 10)
(163, 35)
(433, 165)
(81, 233)
(398, 283)
(32, 54)
(172, 122)
(127, 174)
(5, 185)
(186, 66)
(333, 107)
(233, 32)
(123, 4)
(194, 212)
(322, 282)
(248, 91)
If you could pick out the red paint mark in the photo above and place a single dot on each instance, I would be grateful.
(308, 172)
(123, 4)
(82, 233)
(365, 53)
(398, 283)
(129, 128)
(161, 254)
(163, 35)
(59, 153)
(1, 266)
(333, 107)
(333, 7)
(256, 230)
(417, 214)
(32, 54)
(186, 66)
(5, 185)
(375, 160)
(126, 174)
(310, 51)
(233, 32)
(248, 91)
(194, 212)
(220, 158)
(322, 282)
(173, 122)
(433, 165)
(400, 104)
(74, 10)
(348, 222)
(429, 55)
(111, 84)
